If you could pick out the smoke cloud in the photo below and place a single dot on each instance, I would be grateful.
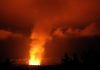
(59, 33)
(92, 30)
(39, 37)
(6, 34)
(45, 21)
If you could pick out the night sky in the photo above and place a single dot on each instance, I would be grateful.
(59, 25)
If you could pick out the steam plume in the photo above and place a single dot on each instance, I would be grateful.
(39, 37)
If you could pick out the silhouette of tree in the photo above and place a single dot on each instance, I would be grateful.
(66, 59)
(75, 58)
(7, 64)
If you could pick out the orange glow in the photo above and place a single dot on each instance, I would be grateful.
(35, 54)
(39, 38)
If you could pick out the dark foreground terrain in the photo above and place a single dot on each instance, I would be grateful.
(51, 67)
(89, 61)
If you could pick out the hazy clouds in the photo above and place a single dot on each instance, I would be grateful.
(6, 34)
(92, 30)
(60, 21)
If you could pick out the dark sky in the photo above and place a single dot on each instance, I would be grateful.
(58, 25)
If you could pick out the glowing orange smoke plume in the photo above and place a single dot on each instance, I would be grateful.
(39, 38)
(36, 54)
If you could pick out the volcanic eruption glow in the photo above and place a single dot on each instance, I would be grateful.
(36, 55)
(39, 38)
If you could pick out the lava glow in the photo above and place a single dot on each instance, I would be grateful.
(39, 38)
(34, 60)
(33, 63)
(35, 54)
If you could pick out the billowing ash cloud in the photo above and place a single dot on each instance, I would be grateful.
(45, 20)
(6, 34)
(92, 30)
(59, 33)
